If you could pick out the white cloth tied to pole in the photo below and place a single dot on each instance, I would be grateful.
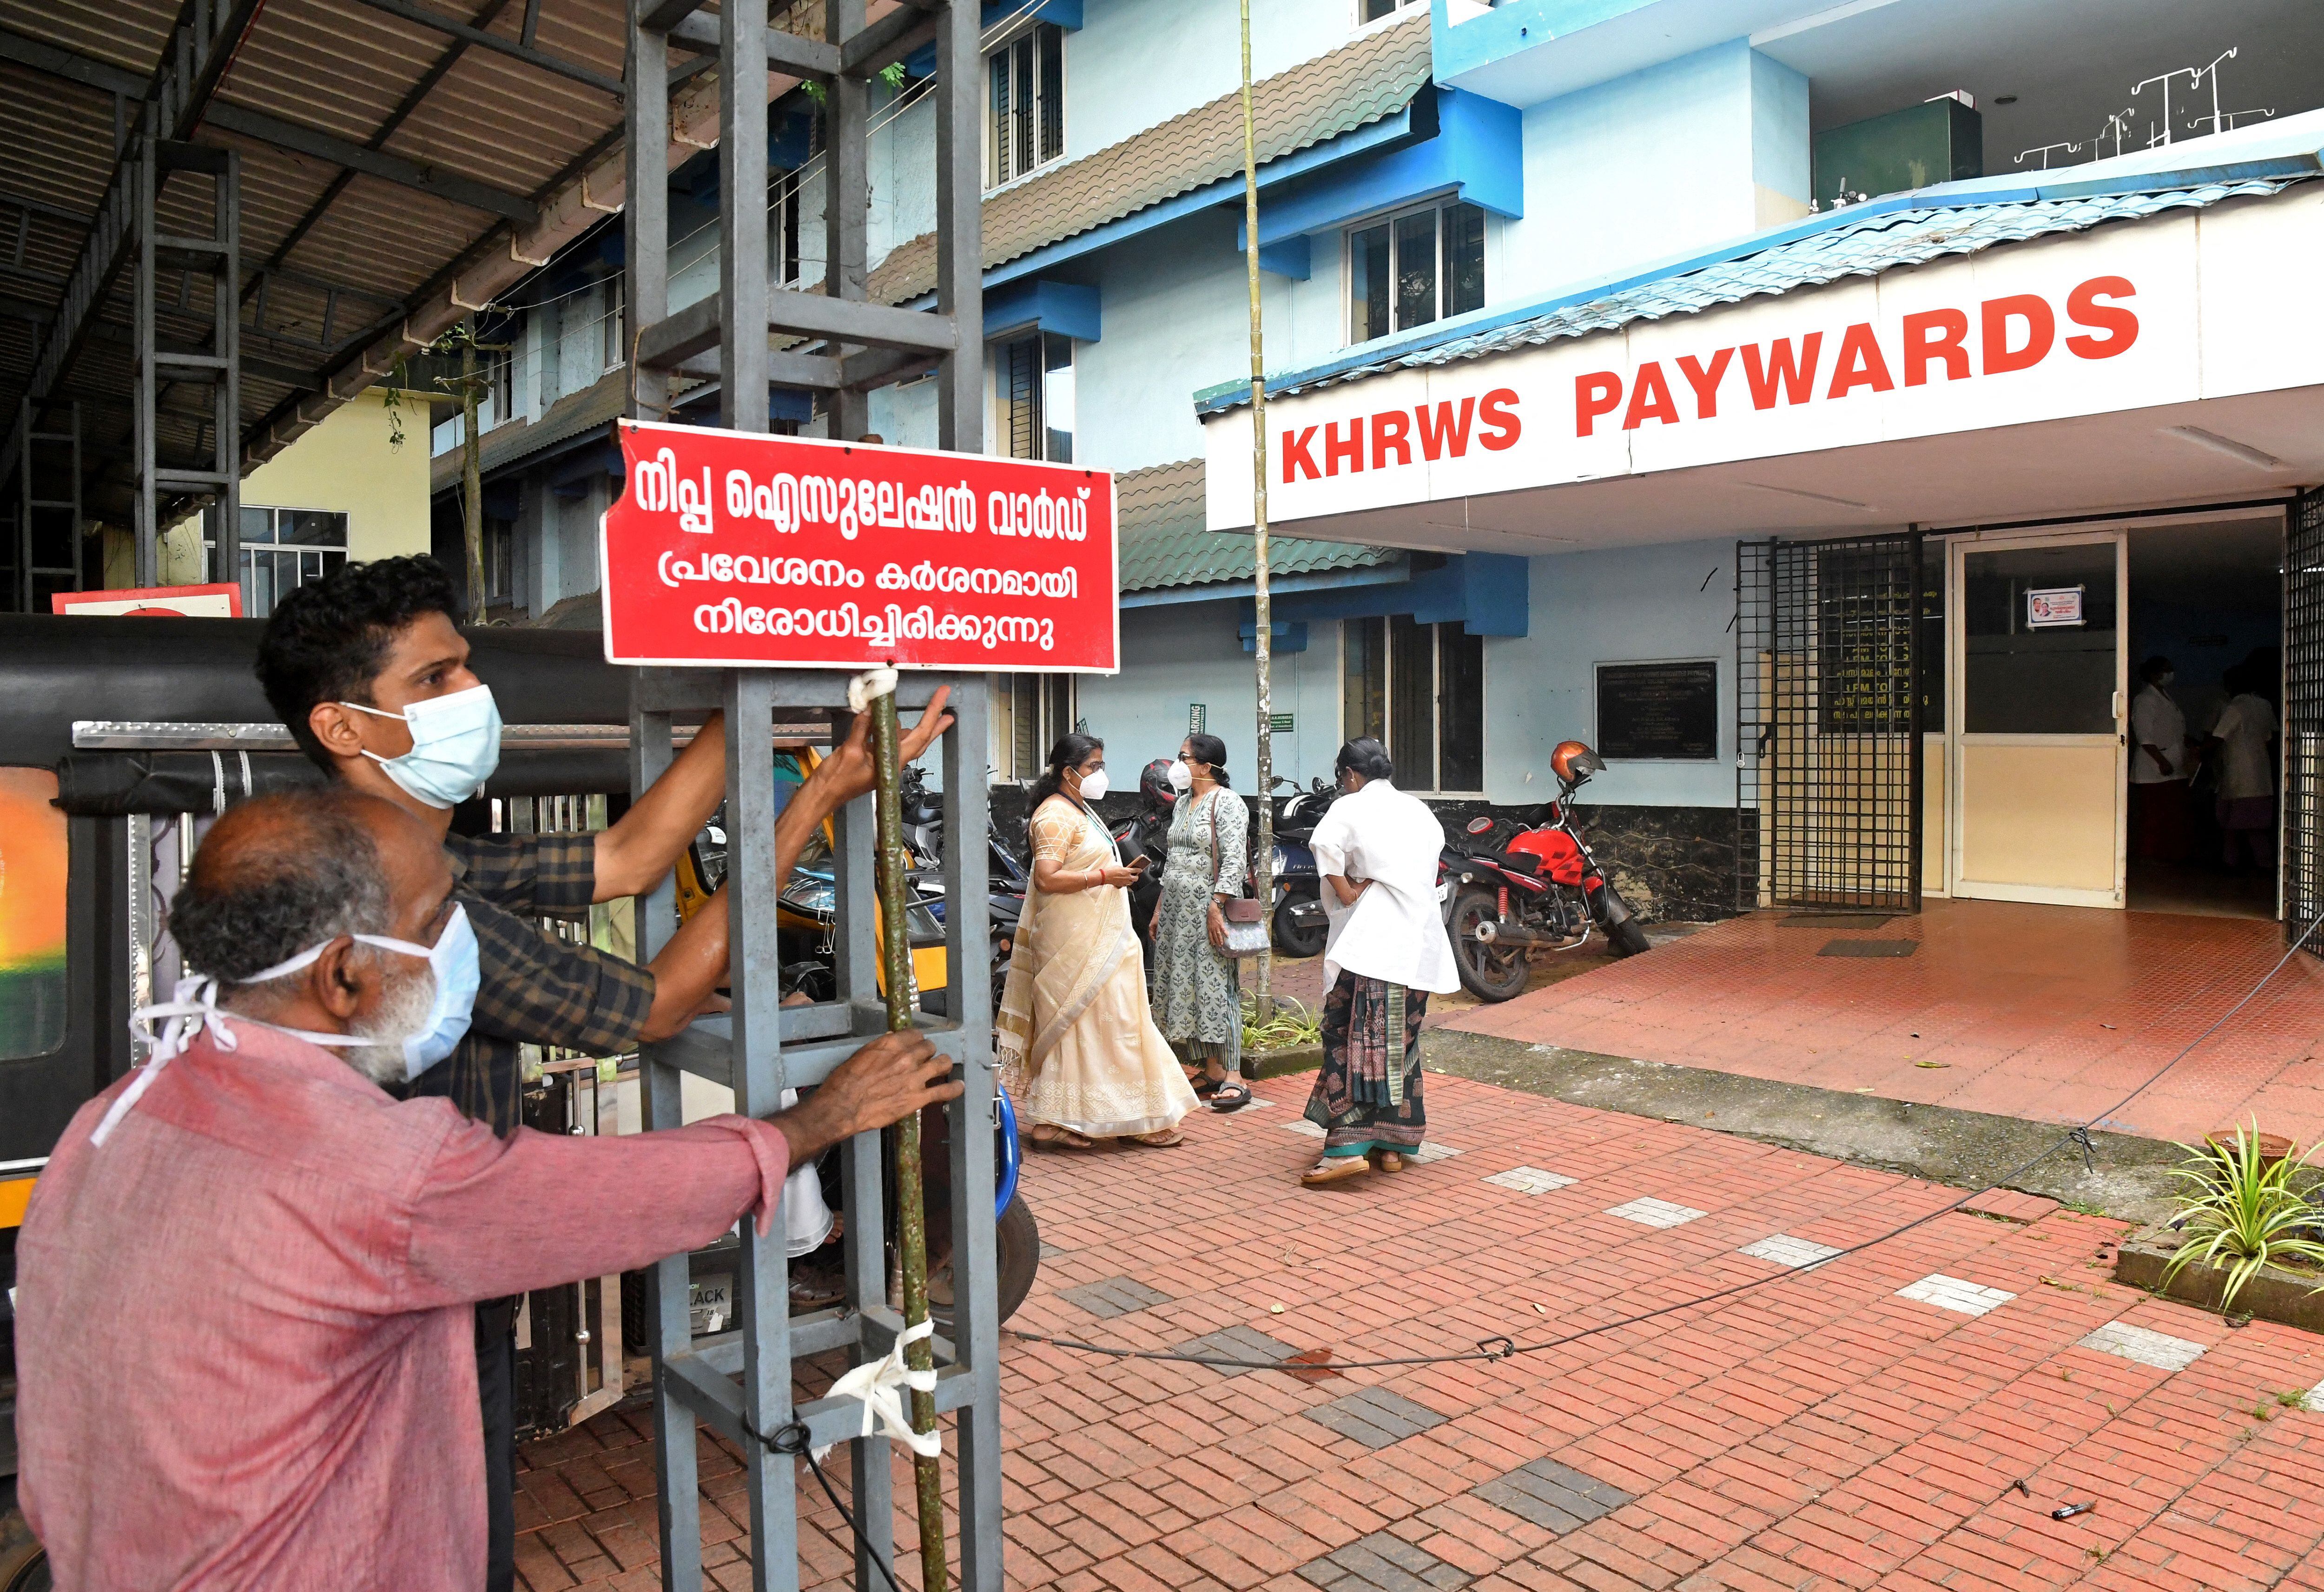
(881, 1385)
(868, 687)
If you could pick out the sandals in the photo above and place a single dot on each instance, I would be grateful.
(1229, 1094)
(1047, 1137)
(1204, 1085)
(1385, 1160)
(1161, 1139)
(1336, 1169)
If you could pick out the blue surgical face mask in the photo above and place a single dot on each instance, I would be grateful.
(456, 745)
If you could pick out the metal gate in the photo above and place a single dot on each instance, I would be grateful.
(1828, 715)
(2303, 716)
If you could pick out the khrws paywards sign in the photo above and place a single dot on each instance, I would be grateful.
(727, 548)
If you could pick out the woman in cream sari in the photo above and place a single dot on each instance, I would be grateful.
(1078, 1050)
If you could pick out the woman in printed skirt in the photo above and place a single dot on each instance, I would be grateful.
(1387, 953)
(1077, 1050)
(1197, 1001)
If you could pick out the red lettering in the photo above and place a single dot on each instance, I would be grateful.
(1860, 363)
(2040, 329)
(1349, 448)
(1594, 394)
(1391, 433)
(2120, 325)
(1499, 413)
(1444, 430)
(1794, 369)
(1295, 444)
(1705, 383)
(1951, 326)
(1650, 397)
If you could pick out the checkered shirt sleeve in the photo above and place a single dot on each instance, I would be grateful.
(530, 875)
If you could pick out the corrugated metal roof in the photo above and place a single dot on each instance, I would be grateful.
(1163, 543)
(593, 408)
(1373, 76)
(1906, 230)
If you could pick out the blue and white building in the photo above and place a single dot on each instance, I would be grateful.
(1714, 380)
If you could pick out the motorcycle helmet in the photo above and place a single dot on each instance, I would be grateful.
(1573, 763)
(1154, 783)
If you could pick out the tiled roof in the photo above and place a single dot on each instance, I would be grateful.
(593, 407)
(1163, 543)
(1372, 76)
(1866, 240)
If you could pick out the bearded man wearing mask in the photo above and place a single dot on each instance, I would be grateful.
(372, 677)
(246, 1279)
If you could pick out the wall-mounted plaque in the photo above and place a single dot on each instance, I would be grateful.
(1665, 710)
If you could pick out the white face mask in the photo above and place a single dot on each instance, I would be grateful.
(1181, 776)
(2166, 677)
(1095, 786)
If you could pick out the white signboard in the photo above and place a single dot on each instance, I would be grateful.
(2175, 307)
(2053, 607)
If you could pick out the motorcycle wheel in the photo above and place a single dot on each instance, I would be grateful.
(1290, 940)
(1625, 938)
(1017, 1258)
(1489, 973)
(23, 1563)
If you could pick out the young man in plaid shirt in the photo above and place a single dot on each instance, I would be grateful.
(371, 676)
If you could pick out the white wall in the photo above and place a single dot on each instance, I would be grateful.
(1180, 654)
(1696, 151)
(1627, 605)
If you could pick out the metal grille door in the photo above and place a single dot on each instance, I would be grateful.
(2303, 716)
(1828, 766)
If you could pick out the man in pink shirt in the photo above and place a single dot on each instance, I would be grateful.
(247, 1280)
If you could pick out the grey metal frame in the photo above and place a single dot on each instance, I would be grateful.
(739, 1381)
(217, 257)
(31, 507)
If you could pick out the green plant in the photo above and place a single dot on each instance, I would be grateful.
(1291, 1027)
(2242, 1210)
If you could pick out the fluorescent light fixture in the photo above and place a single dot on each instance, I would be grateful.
(1793, 491)
(2227, 445)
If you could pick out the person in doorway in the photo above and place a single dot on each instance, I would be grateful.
(2160, 767)
(2240, 744)
(1386, 954)
(1197, 1001)
(1078, 1051)
(247, 1279)
(370, 674)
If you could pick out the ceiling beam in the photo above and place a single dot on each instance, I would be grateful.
(283, 134)
(513, 48)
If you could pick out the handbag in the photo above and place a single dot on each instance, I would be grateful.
(1246, 917)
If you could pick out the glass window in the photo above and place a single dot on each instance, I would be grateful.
(1372, 11)
(282, 549)
(1416, 268)
(1368, 274)
(2047, 678)
(1031, 713)
(1026, 125)
(32, 882)
(1033, 397)
(1419, 689)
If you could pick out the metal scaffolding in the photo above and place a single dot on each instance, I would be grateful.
(47, 554)
(840, 346)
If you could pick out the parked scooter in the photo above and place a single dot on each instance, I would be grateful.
(1535, 888)
(1298, 923)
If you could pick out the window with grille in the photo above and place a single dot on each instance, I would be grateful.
(1031, 713)
(1420, 690)
(1033, 397)
(1372, 11)
(1026, 126)
(1407, 270)
(282, 548)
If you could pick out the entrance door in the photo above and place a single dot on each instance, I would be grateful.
(2035, 734)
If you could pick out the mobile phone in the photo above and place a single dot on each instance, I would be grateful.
(1138, 864)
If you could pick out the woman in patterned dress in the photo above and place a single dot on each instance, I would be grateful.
(1077, 1050)
(1198, 1003)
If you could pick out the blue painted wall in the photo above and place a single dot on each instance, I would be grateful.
(1710, 146)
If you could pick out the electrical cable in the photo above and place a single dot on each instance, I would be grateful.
(795, 1440)
(1505, 1347)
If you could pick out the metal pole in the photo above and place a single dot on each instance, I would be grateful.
(1263, 860)
(472, 485)
(911, 1195)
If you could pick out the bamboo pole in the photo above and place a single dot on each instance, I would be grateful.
(912, 1197)
(1263, 860)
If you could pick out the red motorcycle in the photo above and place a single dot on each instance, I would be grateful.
(1533, 886)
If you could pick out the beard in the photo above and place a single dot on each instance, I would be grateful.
(404, 1005)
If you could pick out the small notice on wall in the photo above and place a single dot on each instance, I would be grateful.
(1665, 710)
(2053, 607)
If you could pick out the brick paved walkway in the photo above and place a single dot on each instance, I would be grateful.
(2047, 1013)
(1854, 1425)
